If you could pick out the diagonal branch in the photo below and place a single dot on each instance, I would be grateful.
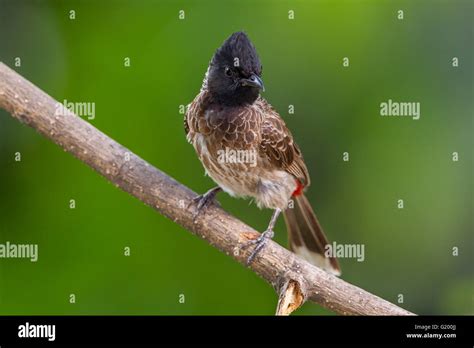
(294, 279)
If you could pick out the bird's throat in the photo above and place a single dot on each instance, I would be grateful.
(240, 97)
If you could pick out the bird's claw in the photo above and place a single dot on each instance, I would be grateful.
(259, 243)
(203, 201)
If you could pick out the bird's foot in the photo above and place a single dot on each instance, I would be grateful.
(204, 200)
(259, 244)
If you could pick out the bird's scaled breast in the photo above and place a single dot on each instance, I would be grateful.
(234, 168)
(243, 173)
(228, 140)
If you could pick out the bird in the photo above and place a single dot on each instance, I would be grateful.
(249, 152)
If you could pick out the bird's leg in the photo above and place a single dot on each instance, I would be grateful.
(262, 240)
(204, 200)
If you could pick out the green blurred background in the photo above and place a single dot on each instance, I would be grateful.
(81, 251)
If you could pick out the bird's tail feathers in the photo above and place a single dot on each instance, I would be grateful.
(306, 237)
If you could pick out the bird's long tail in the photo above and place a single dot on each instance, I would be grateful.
(306, 237)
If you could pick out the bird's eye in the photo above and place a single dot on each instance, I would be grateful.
(228, 72)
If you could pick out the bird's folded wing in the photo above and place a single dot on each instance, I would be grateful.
(278, 146)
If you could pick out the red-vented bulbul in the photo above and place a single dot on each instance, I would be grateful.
(248, 151)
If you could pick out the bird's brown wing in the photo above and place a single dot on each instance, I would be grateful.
(193, 117)
(186, 126)
(278, 145)
(193, 110)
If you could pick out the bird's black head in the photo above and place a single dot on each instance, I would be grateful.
(234, 76)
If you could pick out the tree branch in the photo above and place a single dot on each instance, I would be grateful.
(294, 279)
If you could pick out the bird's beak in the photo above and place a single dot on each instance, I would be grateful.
(254, 81)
